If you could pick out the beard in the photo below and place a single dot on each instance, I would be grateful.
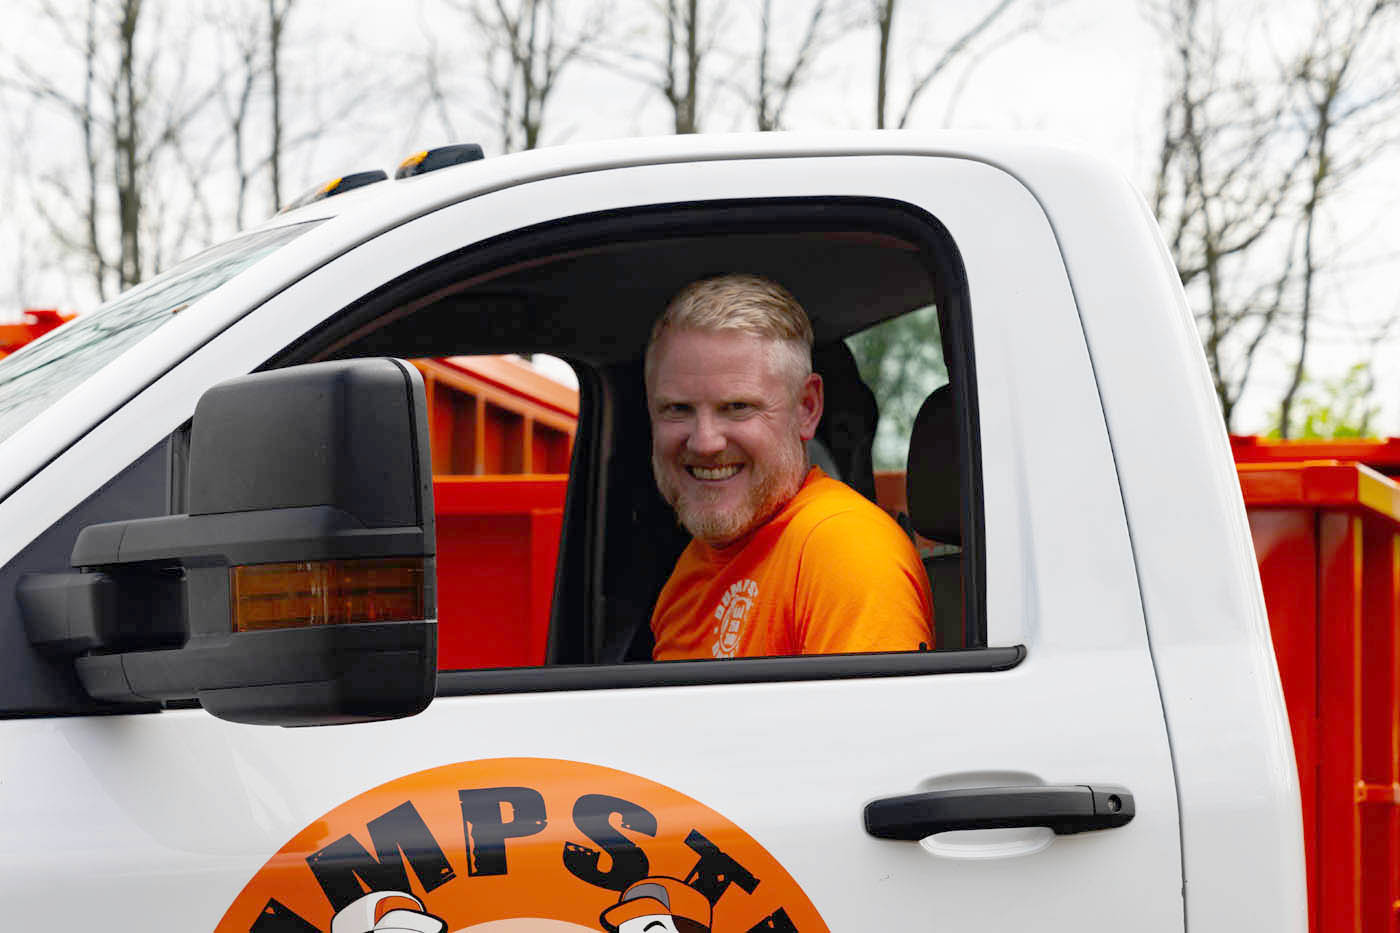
(770, 488)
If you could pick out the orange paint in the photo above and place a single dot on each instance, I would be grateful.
(567, 839)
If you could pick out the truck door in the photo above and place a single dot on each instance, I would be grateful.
(841, 793)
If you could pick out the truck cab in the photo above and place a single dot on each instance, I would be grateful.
(1096, 740)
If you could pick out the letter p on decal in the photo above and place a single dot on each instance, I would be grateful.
(484, 817)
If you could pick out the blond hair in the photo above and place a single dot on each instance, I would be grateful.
(744, 304)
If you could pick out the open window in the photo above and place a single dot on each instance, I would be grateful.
(501, 434)
(884, 288)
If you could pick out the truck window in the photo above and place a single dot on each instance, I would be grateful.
(591, 550)
(41, 373)
(501, 434)
(901, 361)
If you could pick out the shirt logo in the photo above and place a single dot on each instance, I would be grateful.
(731, 612)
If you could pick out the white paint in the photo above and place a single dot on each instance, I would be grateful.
(652, 923)
(979, 845)
(1195, 558)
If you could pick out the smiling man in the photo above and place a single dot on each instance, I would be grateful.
(785, 560)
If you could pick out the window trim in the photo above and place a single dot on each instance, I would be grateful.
(643, 223)
(566, 677)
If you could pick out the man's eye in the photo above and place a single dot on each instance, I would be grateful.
(737, 407)
(675, 410)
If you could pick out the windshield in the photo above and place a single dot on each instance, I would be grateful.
(40, 374)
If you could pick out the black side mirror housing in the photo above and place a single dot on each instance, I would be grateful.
(300, 587)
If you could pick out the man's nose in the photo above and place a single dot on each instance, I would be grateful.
(706, 438)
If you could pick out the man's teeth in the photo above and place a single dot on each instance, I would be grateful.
(723, 472)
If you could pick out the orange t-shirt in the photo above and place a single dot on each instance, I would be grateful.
(829, 574)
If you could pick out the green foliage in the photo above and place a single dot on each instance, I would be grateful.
(902, 362)
(1334, 408)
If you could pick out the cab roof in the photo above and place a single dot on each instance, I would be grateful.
(397, 200)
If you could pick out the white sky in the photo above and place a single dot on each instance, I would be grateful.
(1091, 76)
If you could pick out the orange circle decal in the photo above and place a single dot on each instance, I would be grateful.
(522, 845)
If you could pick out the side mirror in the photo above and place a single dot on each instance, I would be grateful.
(299, 588)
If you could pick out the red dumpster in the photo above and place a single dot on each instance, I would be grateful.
(1327, 537)
(501, 434)
(34, 324)
(497, 539)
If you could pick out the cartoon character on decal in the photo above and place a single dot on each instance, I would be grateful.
(386, 912)
(659, 905)
(652, 905)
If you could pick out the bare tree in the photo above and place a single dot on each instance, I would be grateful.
(529, 45)
(278, 12)
(17, 243)
(85, 114)
(252, 89)
(277, 101)
(1248, 162)
(126, 141)
(680, 80)
(132, 105)
(82, 110)
(1226, 175)
(237, 100)
(964, 50)
(774, 86)
(676, 66)
(882, 14)
(162, 98)
(437, 77)
(1348, 83)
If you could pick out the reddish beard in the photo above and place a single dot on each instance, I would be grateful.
(771, 488)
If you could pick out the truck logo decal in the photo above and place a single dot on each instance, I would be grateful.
(522, 845)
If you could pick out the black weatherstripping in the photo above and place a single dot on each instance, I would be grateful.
(1066, 810)
(737, 671)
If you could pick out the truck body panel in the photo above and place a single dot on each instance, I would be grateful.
(1204, 607)
(1072, 583)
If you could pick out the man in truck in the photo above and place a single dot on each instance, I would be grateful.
(784, 560)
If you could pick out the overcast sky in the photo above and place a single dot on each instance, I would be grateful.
(1090, 76)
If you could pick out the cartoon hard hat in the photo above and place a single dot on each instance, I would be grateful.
(658, 895)
(384, 911)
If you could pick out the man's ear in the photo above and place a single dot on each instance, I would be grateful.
(809, 406)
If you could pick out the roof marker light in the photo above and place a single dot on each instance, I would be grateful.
(337, 186)
(430, 160)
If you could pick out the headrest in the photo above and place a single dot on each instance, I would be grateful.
(933, 483)
(849, 418)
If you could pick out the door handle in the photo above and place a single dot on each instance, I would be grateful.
(1066, 809)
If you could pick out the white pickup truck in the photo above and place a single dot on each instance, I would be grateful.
(1098, 741)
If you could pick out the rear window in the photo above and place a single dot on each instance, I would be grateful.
(40, 374)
